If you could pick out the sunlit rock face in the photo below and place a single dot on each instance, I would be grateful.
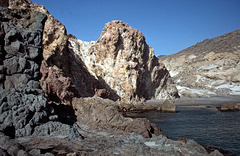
(122, 60)
(209, 68)
(64, 75)
(120, 65)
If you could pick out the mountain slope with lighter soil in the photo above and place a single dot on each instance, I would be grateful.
(208, 68)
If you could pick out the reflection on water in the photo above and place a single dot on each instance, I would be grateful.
(206, 126)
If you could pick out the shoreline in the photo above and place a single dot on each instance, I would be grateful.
(204, 102)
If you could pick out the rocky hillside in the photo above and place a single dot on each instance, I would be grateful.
(209, 68)
(52, 89)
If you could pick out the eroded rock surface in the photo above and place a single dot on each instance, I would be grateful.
(168, 106)
(229, 107)
(209, 68)
(100, 145)
(123, 61)
(23, 105)
(97, 114)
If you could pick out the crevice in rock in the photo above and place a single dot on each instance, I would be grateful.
(29, 116)
(151, 130)
(10, 131)
(65, 113)
(48, 150)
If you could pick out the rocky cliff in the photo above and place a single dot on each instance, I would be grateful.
(122, 60)
(209, 68)
(23, 104)
(46, 89)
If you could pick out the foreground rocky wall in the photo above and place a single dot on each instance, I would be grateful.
(23, 104)
(24, 109)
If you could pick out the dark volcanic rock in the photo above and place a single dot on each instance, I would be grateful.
(22, 102)
(23, 106)
(9, 146)
(57, 129)
(216, 151)
(4, 3)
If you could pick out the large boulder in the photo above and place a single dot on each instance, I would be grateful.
(97, 114)
(168, 106)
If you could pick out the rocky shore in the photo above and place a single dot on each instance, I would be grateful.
(57, 98)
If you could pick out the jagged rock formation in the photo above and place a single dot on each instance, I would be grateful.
(119, 66)
(64, 75)
(123, 61)
(23, 105)
(27, 45)
(209, 68)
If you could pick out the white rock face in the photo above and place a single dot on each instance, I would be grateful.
(123, 61)
(209, 68)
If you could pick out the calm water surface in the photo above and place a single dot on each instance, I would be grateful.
(206, 126)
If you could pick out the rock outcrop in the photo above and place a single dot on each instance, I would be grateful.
(97, 114)
(229, 107)
(123, 61)
(120, 65)
(209, 68)
(99, 145)
(23, 106)
(22, 102)
(168, 106)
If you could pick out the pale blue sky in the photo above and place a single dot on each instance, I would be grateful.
(168, 25)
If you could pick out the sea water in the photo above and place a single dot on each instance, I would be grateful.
(207, 126)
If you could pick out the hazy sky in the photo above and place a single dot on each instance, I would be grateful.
(168, 25)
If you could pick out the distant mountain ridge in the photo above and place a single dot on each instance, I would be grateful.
(208, 68)
(224, 43)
